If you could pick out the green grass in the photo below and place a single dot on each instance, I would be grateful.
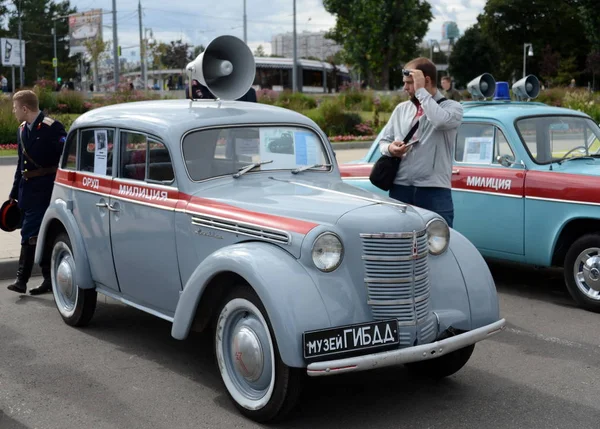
(8, 152)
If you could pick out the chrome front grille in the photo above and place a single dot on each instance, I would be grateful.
(397, 276)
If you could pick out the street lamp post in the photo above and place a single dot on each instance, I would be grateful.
(55, 55)
(434, 46)
(525, 53)
(20, 47)
(295, 66)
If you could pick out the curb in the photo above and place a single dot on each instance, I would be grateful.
(9, 266)
(351, 145)
(9, 160)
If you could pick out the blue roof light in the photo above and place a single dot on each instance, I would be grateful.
(502, 91)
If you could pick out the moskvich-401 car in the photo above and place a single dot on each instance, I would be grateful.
(186, 212)
(525, 183)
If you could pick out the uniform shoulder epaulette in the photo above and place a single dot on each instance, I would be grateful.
(48, 120)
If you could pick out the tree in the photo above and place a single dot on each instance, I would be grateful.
(176, 55)
(37, 25)
(588, 12)
(593, 66)
(198, 50)
(157, 50)
(260, 51)
(379, 34)
(549, 65)
(97, 49)
(473, 55)
(511, 23)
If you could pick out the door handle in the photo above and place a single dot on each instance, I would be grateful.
(102, 205)
(457, 171)
(111, 208)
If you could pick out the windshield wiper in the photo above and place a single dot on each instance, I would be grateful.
(560, 161)
(250, 167)
(308, 167)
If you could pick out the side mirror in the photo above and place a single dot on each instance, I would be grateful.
(505, 160)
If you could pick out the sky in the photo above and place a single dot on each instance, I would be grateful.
(196, 24)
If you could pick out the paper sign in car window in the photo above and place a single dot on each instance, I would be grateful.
(307, 149)
(101, 151)
(277, 144)
(478, 150)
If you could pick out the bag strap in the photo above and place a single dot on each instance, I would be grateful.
(24, 151)
(415, 126)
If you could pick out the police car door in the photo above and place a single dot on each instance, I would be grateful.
(488, 196)
(91, 196)
(142, 225)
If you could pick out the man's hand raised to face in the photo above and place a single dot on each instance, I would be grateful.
(418, 78)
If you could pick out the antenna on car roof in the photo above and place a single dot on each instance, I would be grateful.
(227, 68)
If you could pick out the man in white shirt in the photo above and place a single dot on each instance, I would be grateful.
(424, 178)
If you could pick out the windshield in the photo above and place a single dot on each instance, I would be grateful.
(224, 151)
(554, 138)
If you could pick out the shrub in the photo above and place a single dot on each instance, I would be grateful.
(336, 120)
(266, 96)
(8, 124)
(72, 101)
(296, 101)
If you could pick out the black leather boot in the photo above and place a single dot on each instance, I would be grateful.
(46, 286)
(24, 271)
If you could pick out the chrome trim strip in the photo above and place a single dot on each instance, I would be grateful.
(396, 280)
(402, 207)
(242, 228)
(406, 355)
(399, 301)
(394, 234)
(586, 203)
(395, 258)
(345, 178)
(499, 194)
(144, 203)
(125, 301)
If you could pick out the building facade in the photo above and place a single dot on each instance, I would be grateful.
(309, 45)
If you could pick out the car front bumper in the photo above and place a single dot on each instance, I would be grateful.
(407, 355)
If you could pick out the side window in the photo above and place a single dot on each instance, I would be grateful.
(69, 161)
(96, 151)
(160, 167)
(145, 158)
(134, 147)
(480, 144)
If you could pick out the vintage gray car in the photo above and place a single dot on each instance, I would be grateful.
(186, 210)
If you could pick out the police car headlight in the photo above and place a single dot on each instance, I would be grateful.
(327, 252)
(438, 236)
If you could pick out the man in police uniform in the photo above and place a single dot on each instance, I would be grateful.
(40, 141)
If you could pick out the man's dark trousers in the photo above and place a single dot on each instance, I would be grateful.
(438, 200)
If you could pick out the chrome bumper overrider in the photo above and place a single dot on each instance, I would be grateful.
(406, 355)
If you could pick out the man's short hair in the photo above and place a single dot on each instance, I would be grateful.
(27, 98)
(447, 78)
(426, 66)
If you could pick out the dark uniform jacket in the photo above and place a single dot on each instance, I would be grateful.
(36, 168)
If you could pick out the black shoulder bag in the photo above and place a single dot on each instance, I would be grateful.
(385, 169)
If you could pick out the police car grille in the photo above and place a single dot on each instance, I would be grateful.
(397, 276)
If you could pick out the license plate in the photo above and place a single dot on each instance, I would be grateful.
(350, 338)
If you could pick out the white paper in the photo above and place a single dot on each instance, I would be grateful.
(479, 150)
(277, 144)
(101, 151)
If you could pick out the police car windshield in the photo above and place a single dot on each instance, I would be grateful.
(225, 151)
(551, 139)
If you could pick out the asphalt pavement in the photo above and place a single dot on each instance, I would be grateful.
(126, 371)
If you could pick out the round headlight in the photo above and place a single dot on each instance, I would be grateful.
(327, 252)
(438, 235)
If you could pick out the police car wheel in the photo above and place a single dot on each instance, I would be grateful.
(443, 366)
(75, 305)
(260, 385)
(582, 271)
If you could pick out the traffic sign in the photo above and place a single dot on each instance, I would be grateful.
(54, 62)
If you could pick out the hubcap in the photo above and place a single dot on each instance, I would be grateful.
(587, 273)
(247, 353)
(63, 282)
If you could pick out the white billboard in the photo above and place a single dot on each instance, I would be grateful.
(84, 26)
(10, 50)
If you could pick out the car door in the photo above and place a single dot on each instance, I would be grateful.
(488, 196)
(91, 196)
(142, 225)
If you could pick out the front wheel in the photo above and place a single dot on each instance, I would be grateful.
(75, 305)
(582, 271)
(261, 386)
(443, 366)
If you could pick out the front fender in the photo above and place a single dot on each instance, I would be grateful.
(291, 299)
(60, 211)
(481, 289)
